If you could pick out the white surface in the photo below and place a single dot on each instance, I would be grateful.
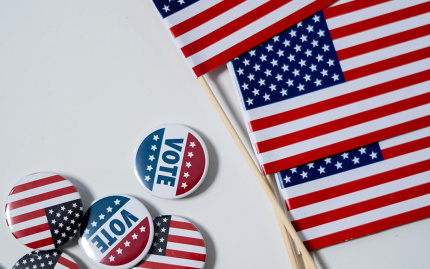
(81, 81)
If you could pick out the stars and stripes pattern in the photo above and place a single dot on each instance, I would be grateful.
(50, 259)
(361, 191)
(44, 210)
(177, 244)
(354, 74)
(211, 32)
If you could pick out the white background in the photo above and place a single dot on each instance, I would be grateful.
(81, 81)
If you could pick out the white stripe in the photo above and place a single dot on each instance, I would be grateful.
(29, 223)
(36, 191)
(370, 13)
(340, 2)
(190, 11)
(60, 266)
(339, 90)
(345, 134)
(360, 219)
(219, 22)
(355, 174)
(360, 196)
(247, 31)
(385, 53)
(408, 137)
(175, 261)
(380, 32)
(342, 112)
(186, 233)
(185, 247)
(43, 204)
(34, 177)
(35, 237)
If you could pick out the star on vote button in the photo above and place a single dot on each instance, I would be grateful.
(171, 161)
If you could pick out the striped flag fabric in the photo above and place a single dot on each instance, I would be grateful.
(361, 191)
(44, 210)
(209, 33)
(52, 259)
(177, 244)
(350, 75)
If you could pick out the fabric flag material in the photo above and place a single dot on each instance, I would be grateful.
(52, 259)
(209, 33)
(44, 211)
(177, 244)
(350, 75)
(360, 191)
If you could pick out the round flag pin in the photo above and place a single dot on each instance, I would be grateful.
(43, 210)
(171, 161)
(49, 259)
(177, 244)
(116, 232)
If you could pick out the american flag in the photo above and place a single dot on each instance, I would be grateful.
(177, 244)
(350, 75)
(211, 32)
(360, 191)
(50, 259)
(44, 210)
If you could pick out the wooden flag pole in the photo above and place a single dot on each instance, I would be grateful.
(261, 179)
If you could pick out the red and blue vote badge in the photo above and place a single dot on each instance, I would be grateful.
(50, 259)
(116, 232)
(171, 161)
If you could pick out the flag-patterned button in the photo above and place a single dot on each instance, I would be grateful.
(49, 259)
(177, 244)
(116, 232)
(44, 210)
(171, 161)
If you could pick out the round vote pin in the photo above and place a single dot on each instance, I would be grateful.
(116, 232)
(171, 161)
(177, 244)
(44, 210)
(49, 259)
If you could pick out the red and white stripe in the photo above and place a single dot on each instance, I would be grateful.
(26, 203)
(383, 48)
(368, 199)
(185, 248)
(209, 33)
(66, 262)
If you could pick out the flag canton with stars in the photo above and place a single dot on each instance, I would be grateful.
(331, 165)
(161, 232)
(299, 60)
(64, 221)
(45, 260)
(169, 7)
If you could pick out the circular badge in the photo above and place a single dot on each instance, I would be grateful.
(44, 210)
(49, 259)
(177, 244)
(116, 232)
(171, 161)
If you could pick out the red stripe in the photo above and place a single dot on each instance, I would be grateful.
(342, 123)
(185, 255)
(259, 37)
(383, 42)
(32, 230)
(182, 225)
(369, 228)
(186, 240)
(40, 243)
(358, 208)
(203, 17)
(27, 216)
(159, 265)
(380, 21)
(41, 197)
(387, 64)
(231, 27)
(359, 184)
(37, 183)
(405, 148)
(355, 142)
(348, 7)
(67, 263)
(342, 100)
